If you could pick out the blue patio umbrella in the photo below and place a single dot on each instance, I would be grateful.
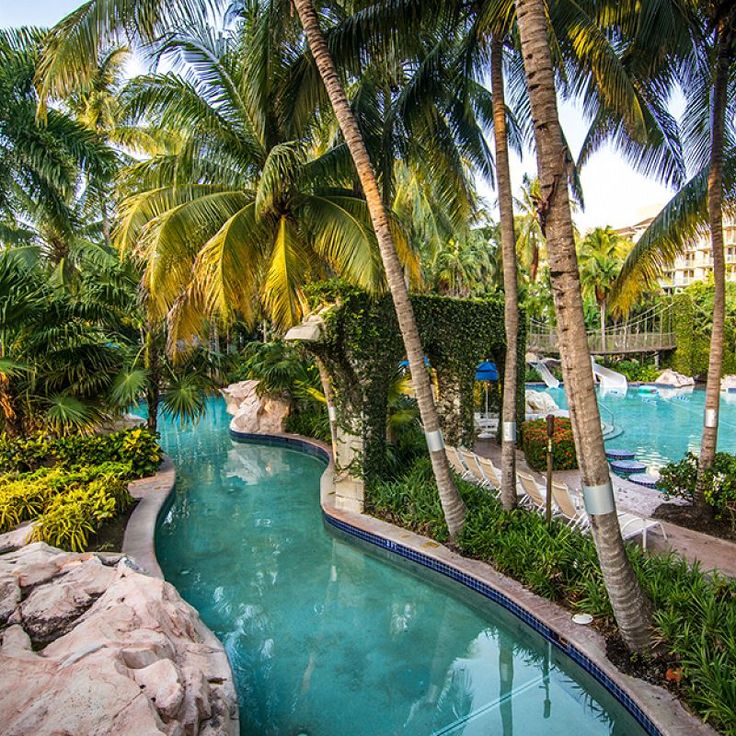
(486, 371)
(405, 363)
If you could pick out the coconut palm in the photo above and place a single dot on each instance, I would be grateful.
(239, 214)
(601, 255)
(452, 503)
(628, 601)
(700, 56)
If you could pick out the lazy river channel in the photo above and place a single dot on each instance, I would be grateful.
(328, 637)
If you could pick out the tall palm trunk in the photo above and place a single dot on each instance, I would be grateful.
(153, 368)
(630, 606)
(452, 504)
(510, 288)
(602, 304)
(715, 222)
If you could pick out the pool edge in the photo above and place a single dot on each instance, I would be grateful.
(655, 709)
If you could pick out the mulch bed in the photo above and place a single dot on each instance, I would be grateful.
(685, 516)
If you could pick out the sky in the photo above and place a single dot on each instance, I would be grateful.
(614, 193)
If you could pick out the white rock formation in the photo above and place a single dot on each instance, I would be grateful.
(91, 647)
(539, 402)
(674, 379)
(252, 413)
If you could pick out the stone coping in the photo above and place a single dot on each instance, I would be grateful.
(139, 539)
(657, 710)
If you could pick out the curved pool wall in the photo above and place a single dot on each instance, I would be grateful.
(329, 637)
(661, 427)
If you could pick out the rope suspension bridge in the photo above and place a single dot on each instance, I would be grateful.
(649, 332)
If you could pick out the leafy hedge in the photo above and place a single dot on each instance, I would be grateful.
(679, 478)
(534, 444)
(694, 613)
(138, 446)
(67, 506)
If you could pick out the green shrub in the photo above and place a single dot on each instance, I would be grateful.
(139, 447)
(25, 496)
(678, 480)
(71, 517)
(694, 613)
(534, 444)
(634, 370)
(310, 422)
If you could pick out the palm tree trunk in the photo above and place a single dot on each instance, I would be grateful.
(603, 325)
(510, 288)
(152, 365)
(630, 606)
(452, 504)
(715, 221)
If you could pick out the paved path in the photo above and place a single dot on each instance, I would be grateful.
(712, 553)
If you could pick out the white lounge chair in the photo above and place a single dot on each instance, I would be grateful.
(572, 508)
(456, 463)
(470, 460)
(533, 492)
(491, 474)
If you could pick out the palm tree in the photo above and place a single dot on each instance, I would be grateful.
(510, 285)
(704, 51)
(240, 212)
(630, 605)
(452, 504)
(601, 256)
(530, 240)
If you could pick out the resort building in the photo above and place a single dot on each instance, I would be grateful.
(696, 263)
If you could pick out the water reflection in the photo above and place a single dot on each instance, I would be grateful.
(328, 639)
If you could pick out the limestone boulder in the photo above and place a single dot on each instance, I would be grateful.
(101, 649)
(254, 414)
(539, 402)
(674, 379)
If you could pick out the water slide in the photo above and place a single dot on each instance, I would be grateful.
(609, 380)
(536, 362)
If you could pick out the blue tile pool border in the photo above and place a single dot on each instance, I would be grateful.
(469, 581)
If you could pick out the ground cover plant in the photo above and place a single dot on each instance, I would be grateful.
(534, 444)
(71, 487)
(694, 612)
(678, 480)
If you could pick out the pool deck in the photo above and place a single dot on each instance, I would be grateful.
(711, 553)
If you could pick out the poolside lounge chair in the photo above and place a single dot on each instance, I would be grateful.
(456, 463)
(532, 491)
(631, 525)
(470, 459)
(491, 474)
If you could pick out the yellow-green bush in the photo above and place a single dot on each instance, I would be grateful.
(68, 506)
(71, 517)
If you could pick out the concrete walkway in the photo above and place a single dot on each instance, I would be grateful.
(710, 552)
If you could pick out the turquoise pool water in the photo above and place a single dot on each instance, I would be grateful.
(329, 638)
(661, 427)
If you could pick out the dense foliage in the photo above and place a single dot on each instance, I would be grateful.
(138, 448)
(692, 321)
(633, 369)
(695, 613)
(534, 444)
(678, 479)
(69, 487)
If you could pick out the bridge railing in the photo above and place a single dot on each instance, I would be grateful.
(613, 342)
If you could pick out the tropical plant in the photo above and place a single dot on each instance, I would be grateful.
(240, 213)
(601, 254)
(630, 605)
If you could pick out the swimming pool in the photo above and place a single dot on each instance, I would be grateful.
(661, 427)
(328, 638)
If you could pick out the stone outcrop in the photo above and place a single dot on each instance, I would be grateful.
(252, 413)
(91, 647)
(539, 402)
(674, 379)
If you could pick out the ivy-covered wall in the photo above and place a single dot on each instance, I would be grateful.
(362, 347)
(692, 323)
